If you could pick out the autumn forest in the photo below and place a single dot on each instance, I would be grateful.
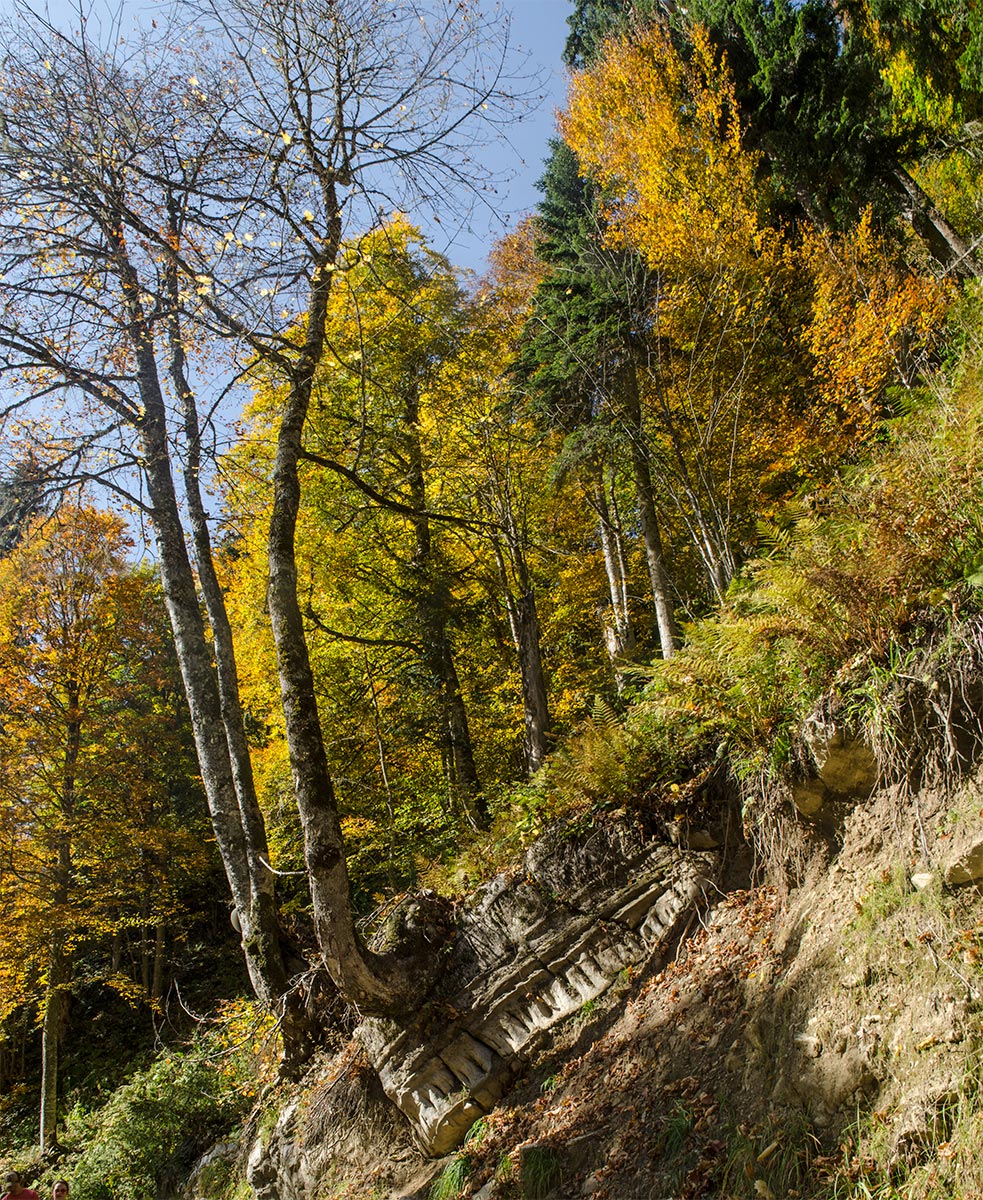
(332, 574)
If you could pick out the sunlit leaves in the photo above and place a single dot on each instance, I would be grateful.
(660, 131)
(91, 845)
(873, 321)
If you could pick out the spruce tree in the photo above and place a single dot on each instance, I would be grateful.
(814, 100)
(582, 342)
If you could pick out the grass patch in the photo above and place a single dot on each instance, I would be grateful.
(539, 1172)
(452, 1180)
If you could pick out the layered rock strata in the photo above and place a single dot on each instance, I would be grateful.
(529, 952)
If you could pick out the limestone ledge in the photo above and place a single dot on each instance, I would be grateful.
(530, 952)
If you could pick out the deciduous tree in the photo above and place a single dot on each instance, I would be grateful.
(154, 203)
(91, 754)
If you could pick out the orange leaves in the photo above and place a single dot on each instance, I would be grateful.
(89, 745)
(872, 320)
(514, 270)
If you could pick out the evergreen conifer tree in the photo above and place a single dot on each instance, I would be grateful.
(815, 100)
(579, 353)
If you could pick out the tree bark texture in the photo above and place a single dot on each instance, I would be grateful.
(376, 984)
(944, 243)
(260, 934)
(433, 602)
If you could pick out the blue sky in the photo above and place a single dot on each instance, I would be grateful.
(539, 27)
(539, 30)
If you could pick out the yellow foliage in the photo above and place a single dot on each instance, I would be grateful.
(915, 100)
(88, 752)
(872, 319)
(661, 134)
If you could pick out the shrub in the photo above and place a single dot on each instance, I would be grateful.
(154, 1127)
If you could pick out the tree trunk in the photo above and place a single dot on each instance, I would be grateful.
(234, 817)
(943, 242)
(433, 603)
(59, 965)
(664, 609)
(263, 912)
(157, 977)
(621, 641)
(524, 623)
(55, 1009)
(375, 983)
(534, 697)
(260, 933)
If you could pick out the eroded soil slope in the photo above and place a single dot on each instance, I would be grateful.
(820, 1042)
(823, 1044)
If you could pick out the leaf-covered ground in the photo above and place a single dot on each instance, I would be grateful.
(825, 1046)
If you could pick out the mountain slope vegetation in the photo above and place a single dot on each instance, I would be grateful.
(677, 502)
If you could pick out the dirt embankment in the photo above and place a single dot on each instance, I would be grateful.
(825, 1043)
(828, 1045)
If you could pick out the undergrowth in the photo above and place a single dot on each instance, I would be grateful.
(145, 1139)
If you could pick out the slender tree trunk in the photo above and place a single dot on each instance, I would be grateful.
(145, 955)
(55, 1010)
(59, 965)
(535, 700)
(260, 935)
(263, 911)
(524, 623)
(380, 742)
(664, 609)
(618, 535)
(228, 810)
(157, 977)
(695, 497)
(622, 637)
(944, 243)
(433, 604)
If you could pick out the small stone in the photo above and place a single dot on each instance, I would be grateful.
(968, 868)
(922, 880)
(809, 796)
(810, 1046)
(702, 839)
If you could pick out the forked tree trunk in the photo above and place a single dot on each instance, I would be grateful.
(524, 624)
(263, 912)
(651, 536)
(260, 931)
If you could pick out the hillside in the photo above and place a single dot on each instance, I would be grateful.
(817, 1043)
(513, 736)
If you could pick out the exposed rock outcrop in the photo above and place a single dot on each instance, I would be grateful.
(845, 766)
(529, 952)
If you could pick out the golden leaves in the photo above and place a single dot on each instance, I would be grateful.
(871, 318)
(661, 134)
